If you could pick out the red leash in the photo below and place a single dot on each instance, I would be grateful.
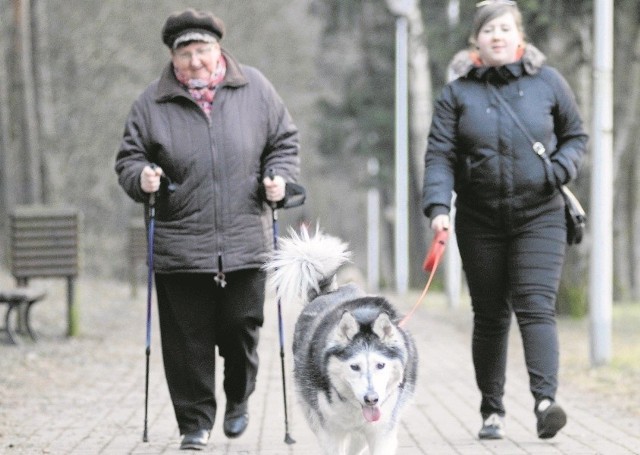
(430, 266)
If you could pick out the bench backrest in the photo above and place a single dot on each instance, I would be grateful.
(44, 242)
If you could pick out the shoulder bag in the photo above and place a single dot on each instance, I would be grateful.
(574, 213)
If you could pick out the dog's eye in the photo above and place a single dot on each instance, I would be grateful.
(380, 366)
(355, 367)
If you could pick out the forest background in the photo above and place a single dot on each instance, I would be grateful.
(71, 70)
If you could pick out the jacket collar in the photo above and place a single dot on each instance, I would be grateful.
(463, 65)
(169, 87)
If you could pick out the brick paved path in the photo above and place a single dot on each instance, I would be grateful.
(86, 395)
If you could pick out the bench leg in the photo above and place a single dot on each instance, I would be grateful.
(27, 320)
(11, 332)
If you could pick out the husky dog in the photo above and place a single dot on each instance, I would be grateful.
(354, 368)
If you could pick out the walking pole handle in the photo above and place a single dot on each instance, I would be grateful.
(171, 186)
(152, 196)
(271, 173)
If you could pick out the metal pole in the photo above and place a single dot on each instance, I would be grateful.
(150, 243)
(402, 160)
(276, 233)
(72, 311)
(601, 268)
(373, 227)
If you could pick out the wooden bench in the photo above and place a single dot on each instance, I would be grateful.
(19, 302)
(45, 244)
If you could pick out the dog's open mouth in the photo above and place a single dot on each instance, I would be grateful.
(371, 413)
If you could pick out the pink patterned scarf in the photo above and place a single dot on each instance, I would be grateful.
(203, 91)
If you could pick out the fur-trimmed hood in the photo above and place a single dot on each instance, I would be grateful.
(465, 61)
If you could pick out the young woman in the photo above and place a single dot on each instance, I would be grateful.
(510, 218)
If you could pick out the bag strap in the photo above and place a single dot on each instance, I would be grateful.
(541, 151)
(537, 146)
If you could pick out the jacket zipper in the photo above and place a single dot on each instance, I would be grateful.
(219, 278)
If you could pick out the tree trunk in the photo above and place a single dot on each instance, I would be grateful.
(634, 231)
(569, 49)
(43, 91)
(5, 143)
(23, 107)
(420, 111)
(624, 167)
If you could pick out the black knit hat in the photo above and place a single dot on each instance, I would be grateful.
(199, 25)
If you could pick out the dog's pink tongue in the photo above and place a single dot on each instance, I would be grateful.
(371, 413)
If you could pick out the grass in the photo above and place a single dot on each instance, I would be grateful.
(618, 378)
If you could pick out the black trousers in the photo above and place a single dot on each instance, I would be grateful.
(513, 266)
(196, 315)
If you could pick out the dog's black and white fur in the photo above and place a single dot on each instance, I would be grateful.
(354, 368)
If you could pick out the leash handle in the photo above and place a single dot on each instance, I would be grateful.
(435, 252)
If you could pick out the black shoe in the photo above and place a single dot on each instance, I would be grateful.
(196, 440)
(551, 418)
(492, 427)
(236, 419)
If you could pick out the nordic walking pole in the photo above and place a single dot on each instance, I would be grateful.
(171, 187)
(152, 219)
(274, 216)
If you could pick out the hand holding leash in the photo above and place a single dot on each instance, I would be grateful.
(438, 243)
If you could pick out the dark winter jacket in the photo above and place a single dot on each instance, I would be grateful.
(216, 217)
(476, 149)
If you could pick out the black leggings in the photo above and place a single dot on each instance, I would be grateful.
(513, 267)
(195, 316)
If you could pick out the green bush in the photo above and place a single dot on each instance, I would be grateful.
(572, 299)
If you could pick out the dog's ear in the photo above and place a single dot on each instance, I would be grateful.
(347, 328)
(385, 330)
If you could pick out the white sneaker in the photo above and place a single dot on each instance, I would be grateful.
(492, 427)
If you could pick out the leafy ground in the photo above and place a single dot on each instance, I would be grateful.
(618, 380)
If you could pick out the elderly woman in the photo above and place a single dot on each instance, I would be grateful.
(215, 129)
(510, 218)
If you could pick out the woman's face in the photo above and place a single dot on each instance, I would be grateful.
(196, 60)
(498, 41)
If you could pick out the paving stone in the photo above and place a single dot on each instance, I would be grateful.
(86, 395)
